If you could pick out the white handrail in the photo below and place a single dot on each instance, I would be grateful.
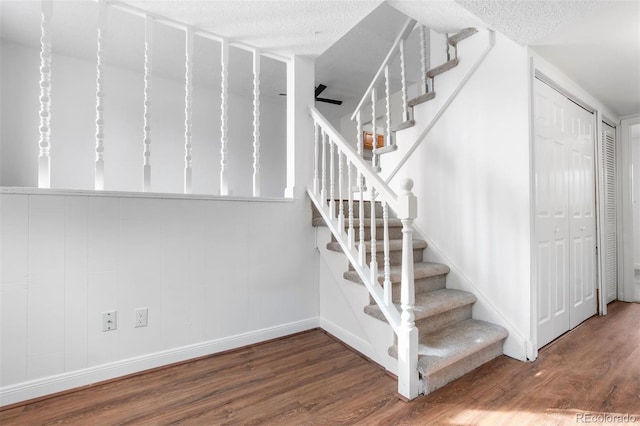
(406, 30)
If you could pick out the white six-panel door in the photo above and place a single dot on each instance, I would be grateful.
(565, 220)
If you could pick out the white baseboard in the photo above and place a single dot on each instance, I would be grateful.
(350, 339)
(73, 379)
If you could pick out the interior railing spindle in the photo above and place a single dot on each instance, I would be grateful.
(374, 135)
(403, 81)
(387, 95)
(387, 261)
(424, 60)
(350, 195)
(323, 192)
(102, 31)
(316, 155)
(361, 246)
(332, 196)
(188, 97)
(340, 199)
(148, 48)
(373, 264)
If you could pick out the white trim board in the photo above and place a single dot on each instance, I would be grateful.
(87, 376)
(23, 190)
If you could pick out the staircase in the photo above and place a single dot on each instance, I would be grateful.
(436, 339)
(451, 343)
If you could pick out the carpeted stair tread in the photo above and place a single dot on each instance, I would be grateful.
(442, 68)
(393, 223)
(394, 245)
(452, 344)
(405, 125)
(458, 37)
(430, 304)
(421, 99)
(420, 270)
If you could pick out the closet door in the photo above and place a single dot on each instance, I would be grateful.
(582, 207)
(565, 220)
(610, 243)
(551, 213)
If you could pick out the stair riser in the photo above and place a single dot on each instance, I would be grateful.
(395, 233)
(395, 258)
(440, 321)
(356, 210)
(458, 369)
(422, 285)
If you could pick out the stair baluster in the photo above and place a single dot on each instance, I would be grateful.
(362, 253)
(323, 193)
(316, 154)
(387, 262)
(403, 80)
(332, 197)
(350, 191)
(424, 59)
(340, 203)
(373, 264)
(388, 140)
(360, 180)
(374, 135)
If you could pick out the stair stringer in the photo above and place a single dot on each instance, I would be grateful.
(348, 321)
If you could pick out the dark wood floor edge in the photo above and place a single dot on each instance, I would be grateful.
(150, 370)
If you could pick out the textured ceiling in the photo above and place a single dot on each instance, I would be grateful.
(595, 42)
(527, 22)
(302, 27)
(443, 16)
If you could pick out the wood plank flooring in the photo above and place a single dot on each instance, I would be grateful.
(311, 378)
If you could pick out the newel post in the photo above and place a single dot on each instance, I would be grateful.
(408, 385)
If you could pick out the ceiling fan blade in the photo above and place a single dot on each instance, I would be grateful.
(320, 89)
(329, 101)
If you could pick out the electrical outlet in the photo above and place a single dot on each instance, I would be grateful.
(141, 317)
(109, 320)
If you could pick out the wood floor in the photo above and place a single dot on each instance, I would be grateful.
(311, 378)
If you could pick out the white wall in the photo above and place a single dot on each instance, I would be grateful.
(212, 275)
(73, 129)
(629, 219)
